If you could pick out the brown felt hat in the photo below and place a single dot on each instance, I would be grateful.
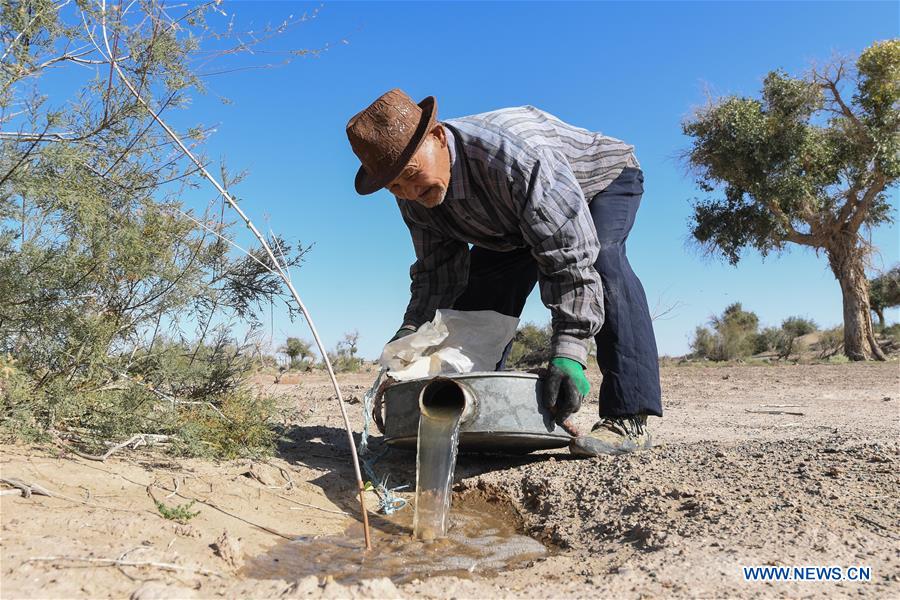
(385, 136)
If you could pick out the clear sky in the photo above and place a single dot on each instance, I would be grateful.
(630, 70)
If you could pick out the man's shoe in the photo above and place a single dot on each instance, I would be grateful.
(613, 435)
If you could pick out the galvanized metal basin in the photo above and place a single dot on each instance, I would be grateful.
(507, 414)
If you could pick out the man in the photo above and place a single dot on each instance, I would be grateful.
(539, 200)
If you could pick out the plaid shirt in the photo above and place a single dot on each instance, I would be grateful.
(519, 177)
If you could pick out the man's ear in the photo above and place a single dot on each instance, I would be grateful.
(440, 134)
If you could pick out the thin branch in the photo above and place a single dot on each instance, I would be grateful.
(140, 439)
(115, 562)
(791, 234)
(15, 40)
(22, 158)
(861, 210)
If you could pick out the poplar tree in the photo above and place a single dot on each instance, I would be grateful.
(810, 162)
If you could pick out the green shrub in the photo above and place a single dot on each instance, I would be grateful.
(704, 343)
(240, 427)
(733, 335)
(893, 332)
(798, 326)
(531, 347)
(343, 358)
(830, 342)
(180, 513)
(793, 328)
(202, 403)
(299, 353)
(110, 285)
(766, 340)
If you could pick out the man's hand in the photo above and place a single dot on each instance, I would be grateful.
(564, 388)
(402, 332)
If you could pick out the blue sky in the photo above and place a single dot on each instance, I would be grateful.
(631, 70)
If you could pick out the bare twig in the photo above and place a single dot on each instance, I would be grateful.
(27, 489)
(115, 562)
(664, 312)
(774, 412)
(323, 509)
(176, 484)
(140, 439)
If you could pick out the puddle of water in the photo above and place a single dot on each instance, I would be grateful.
(435, 460)
(482, 538)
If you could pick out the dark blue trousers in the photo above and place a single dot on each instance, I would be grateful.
(626, 345)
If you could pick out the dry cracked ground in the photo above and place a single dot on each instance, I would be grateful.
(754, 465)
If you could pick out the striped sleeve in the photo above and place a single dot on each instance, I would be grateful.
(558, 227)
(438, 276)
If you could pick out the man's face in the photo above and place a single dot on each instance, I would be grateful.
(427, 175)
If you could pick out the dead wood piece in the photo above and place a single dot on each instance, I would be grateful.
(115, 562)
(774, 412)
(322, 508)
(287, 476)
(175, 482)
(27, 489)
(254, 472)
(140, 439)
(228, 548)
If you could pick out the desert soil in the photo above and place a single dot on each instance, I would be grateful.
(754, 465)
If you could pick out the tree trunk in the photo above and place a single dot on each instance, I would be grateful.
(880, 312)
(847, 264)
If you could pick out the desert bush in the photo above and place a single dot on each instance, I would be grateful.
(105, 274)
(530, 347)
(831, 341)
(798, 326)
(892, 331)
(766, 340)
(884, 292)
(343, 358)
(196, 396)
(733, 335)
(299, 352)
(793, 328)
(704, 343)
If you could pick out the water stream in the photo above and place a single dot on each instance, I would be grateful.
(435, 461)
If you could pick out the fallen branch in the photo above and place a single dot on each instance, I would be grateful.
(115, 562)
(140, 439)
(33, 489)
(26, 489)
(774, 412)
(322, 508)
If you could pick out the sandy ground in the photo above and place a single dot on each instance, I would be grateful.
(735, 479)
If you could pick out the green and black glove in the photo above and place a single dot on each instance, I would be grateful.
(564, 388)
(402, 332)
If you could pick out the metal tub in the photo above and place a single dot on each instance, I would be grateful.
(506, 413)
